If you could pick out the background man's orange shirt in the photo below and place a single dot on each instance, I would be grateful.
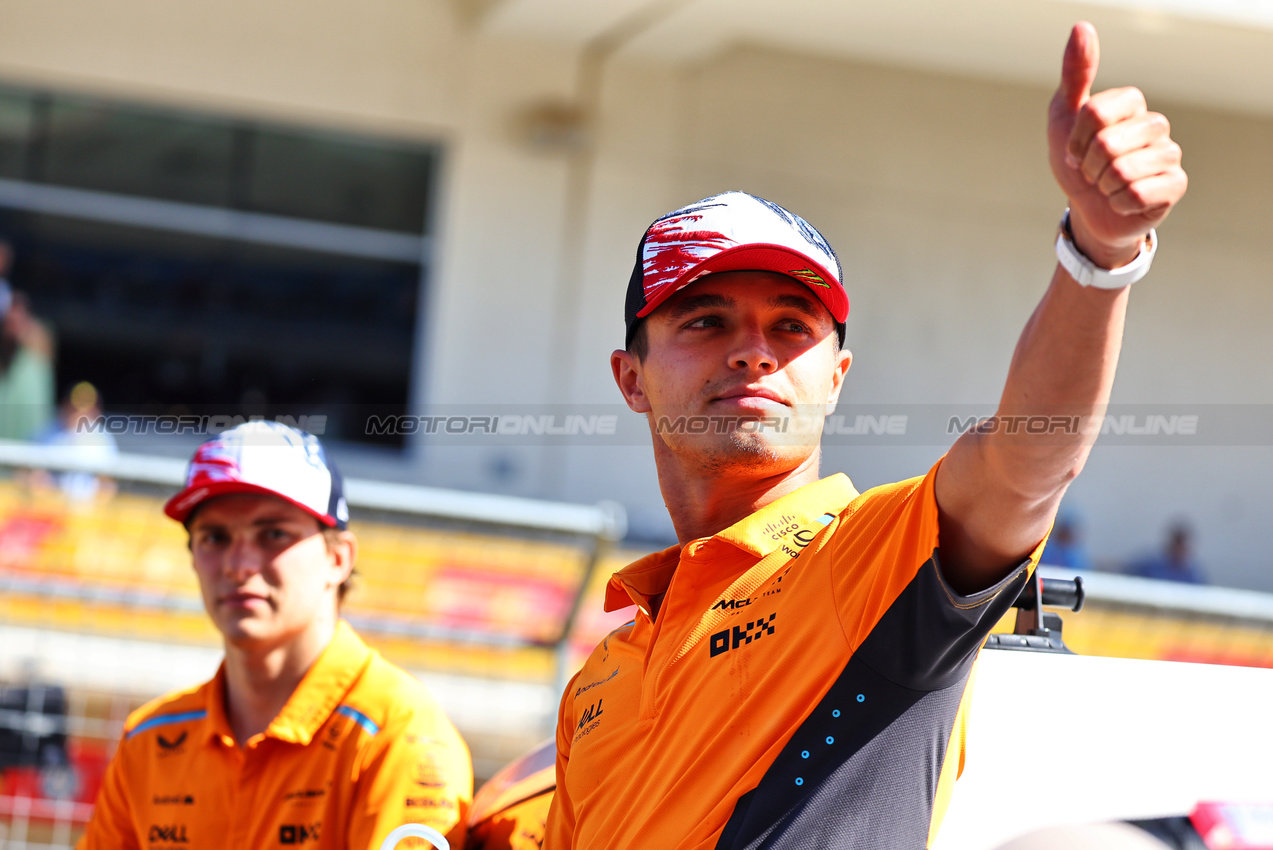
(359, 749)
(804, 684)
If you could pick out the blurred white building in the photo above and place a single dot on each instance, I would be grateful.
(466, 180)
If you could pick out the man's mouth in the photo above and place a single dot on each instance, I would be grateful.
(241, 599)
(751, 393)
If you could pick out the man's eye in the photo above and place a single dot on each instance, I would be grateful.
(704, 322)
(795, 327)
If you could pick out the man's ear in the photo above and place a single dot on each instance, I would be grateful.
(627, 374)
(344, 552)
(844, 359)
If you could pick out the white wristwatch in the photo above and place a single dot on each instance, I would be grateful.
(1088, 273)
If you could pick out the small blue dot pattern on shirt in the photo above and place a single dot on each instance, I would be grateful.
(861, 697)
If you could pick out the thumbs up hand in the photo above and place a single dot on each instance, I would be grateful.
(1114, 159)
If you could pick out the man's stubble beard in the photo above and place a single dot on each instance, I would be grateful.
(746, 452)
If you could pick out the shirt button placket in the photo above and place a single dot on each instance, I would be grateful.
(244, 811)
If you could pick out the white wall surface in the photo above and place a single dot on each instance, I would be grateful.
(932, 187)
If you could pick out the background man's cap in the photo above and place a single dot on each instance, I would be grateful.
(732, 231)
(269, 458)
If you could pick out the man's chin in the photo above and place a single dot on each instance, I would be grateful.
(248, 632)
(754, 455)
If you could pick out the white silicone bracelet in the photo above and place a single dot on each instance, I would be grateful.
(1087, 273)
(415, 830)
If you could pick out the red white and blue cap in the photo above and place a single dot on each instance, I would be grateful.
(269, 458)
(732, 231)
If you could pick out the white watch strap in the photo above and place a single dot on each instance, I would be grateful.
(1088, 273)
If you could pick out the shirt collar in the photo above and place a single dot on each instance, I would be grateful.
(758, 534)
(641, 580)
(321, 690)
(771, 526)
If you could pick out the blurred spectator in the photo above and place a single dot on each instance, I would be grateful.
(26, 362)
(1065, 546)
(33, 726)
(80, 411)
(1174, 563)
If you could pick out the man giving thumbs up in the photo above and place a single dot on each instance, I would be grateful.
(795, 672)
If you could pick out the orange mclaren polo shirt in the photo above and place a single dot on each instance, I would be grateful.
(359, 749)
(804, 684)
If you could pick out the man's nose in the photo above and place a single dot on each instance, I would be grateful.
(752, 350)
(242, 560)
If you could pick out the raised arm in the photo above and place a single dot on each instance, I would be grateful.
(999, 487)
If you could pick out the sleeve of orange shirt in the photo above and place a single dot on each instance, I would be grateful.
(111, 827)
(560, 830)
(416, 772)
(898, 612)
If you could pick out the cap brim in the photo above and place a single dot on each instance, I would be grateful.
(762, 257)
(180, 506)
